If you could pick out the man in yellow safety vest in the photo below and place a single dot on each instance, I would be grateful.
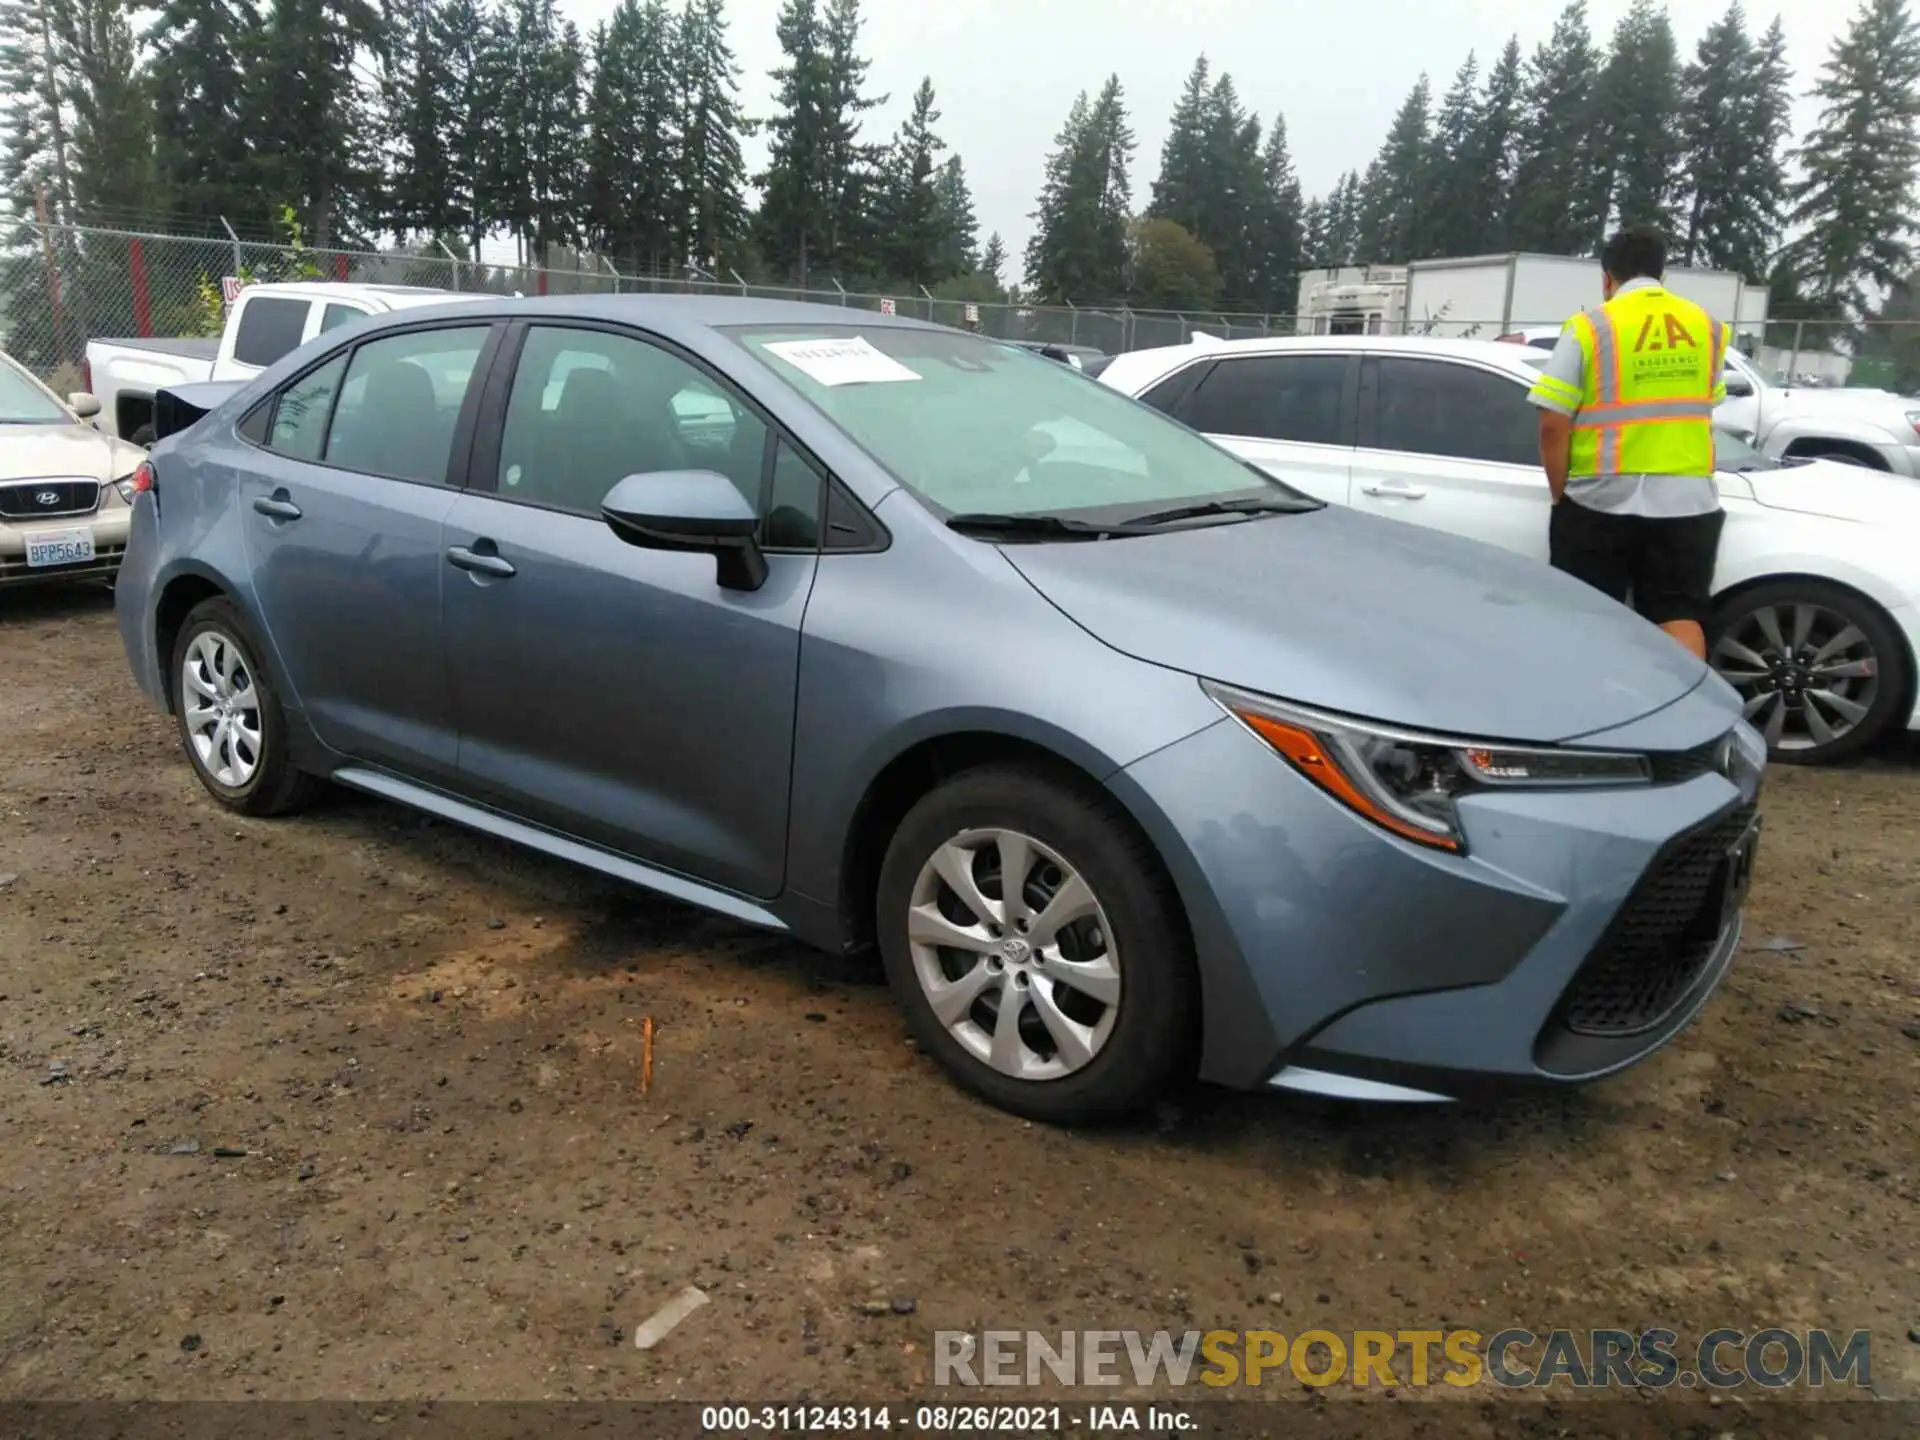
(1626, 437)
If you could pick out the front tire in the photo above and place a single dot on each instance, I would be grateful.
(1823, 671)
(229, 717)
(1068, 996)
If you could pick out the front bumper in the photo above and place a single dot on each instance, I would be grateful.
(107, 525)
(1339, 959)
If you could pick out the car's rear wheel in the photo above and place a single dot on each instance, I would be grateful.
(1037, 947)
(229, 716)
(1823, 671)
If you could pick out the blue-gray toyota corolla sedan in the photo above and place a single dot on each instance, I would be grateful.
(1133, 762)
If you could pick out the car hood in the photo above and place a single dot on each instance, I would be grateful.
(1843, 492)
(1374, 618)
(31, 452)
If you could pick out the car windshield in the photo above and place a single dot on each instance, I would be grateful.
(24, 403)
(974, 427)
(1733, 452)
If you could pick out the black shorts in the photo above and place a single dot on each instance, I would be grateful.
(1663, 566)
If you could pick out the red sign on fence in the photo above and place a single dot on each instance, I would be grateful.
(230, 288)
(886, 306)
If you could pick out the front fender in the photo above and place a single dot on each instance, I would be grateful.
(1883, 439)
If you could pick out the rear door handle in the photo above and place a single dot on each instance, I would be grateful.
(1398, 492)
(277, 506)
(478, 562)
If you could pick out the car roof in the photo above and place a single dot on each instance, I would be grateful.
(1502, 354)
(672, 314)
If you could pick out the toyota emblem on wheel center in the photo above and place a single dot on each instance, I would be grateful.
(47, 497)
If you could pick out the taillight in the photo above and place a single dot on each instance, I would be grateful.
(86, 375)
(143, 478)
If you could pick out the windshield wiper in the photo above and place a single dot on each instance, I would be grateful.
(1260, 505)
(1034, 527)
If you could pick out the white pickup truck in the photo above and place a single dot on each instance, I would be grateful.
(265, 323)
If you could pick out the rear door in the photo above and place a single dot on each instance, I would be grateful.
(343, 511)
(1291, 415)
(1454, 446)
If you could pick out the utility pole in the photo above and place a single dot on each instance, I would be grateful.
(52, 274)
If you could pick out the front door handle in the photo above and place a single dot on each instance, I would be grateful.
(479, 562)
(1398, 492)
(277, 506)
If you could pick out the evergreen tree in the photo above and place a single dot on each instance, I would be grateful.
(1554, 194)
(853, 167)
(712, 181)
(1340, 236)
(420, 94)
(308, 114)
(911, 226)
(1079, 246)
(1856, 202)
(1231, 216)
(1277, 226)
(1313, 235)
(1637, 124)
(1394, 224)
(34, 66)
(112, 114)
(1735, 129)
(470, 115)
(1456, 221)
(959, 250)
(1183, 190)
(205, 167)
(633, 205)
(1487, 176)
(993, 260)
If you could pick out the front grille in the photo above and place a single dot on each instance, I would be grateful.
(1672, 767)
(1661, 939)
(48, 499)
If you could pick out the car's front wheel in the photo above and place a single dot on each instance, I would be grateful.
(1037, 946)
(1823, 671)
(229, 715)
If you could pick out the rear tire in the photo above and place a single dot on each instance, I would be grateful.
(1103, 982)
(1824, 672)
(227, 710)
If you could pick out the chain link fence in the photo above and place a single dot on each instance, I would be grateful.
(63, 285)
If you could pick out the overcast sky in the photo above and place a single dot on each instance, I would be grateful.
(1005, 71)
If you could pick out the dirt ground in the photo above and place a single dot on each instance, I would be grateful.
(348, 1106)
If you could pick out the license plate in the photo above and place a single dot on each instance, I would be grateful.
(1740, 870)
(59, 547)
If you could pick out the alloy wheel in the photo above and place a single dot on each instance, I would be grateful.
(222, 709)
(1014, 954)
(1807, 674)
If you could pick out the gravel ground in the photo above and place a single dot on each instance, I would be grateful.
(349, 1105)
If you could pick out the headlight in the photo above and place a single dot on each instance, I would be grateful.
(125, 487)
(1408, 782)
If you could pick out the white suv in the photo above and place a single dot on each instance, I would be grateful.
(1817, 590)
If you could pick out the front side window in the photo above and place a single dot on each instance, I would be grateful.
(1272, 397)
(591, 407)
(974, 427)
(335, 316)
(270, 326)
(1431, 407)
(300, 414)
(400, 405)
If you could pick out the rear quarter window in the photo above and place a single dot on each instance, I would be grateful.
(270, 326)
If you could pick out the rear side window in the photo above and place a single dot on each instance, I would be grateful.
(1431, 407)
(1167, 395)
(1272, 397)
(401, 403)
(269, 328)
(300, 415)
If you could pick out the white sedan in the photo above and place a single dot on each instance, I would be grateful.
(1817, 592)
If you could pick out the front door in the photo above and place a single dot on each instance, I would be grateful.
(617, 694)
(343, 515)
(1451, 446)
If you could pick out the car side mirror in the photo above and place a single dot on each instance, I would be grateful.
(84, 405)
(690, 510)
(1738, 386)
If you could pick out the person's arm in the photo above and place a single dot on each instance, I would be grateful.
(1557, 394)
(1556, 444)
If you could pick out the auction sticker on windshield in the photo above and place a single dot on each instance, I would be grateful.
(841, 362)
